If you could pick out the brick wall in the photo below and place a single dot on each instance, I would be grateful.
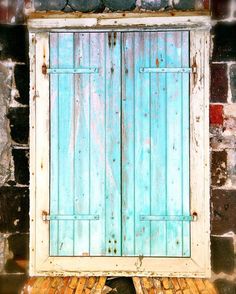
(14, 151)
(14, 128)
(223, 144)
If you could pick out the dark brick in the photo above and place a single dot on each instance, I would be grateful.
(14, 43)
(223, 207)
(222, 254)
(12, 266)
(233, 81)
(49, 5)
(22, 83)
(19, 124)
(87, 6)
(224, 42)
(220, 9)
(184, 4)
(219, 83)
(14, 209)
(218, 168)
(120, 4)
(225, 287)
(216, 114)
(21, 166)
(12, 283)
(19, 246)
(121, 285)
(154, 5)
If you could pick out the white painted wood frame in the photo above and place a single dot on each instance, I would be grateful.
(198, 265)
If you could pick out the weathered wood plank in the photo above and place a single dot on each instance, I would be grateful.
(113, 144)
(54, 152)
(82, 143)
(97, 143)
(142, 144)
(174, 144)
(185, 167)
(128, 146)
(158, 143)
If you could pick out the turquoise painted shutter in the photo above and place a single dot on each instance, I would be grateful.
(119, 144)
(85, 145)
(155, 157)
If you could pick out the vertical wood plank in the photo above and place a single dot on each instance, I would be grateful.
(97, 143)
(158, 144)
(185, 144)
(66, 142)
(113, 144)
(32, 56)
(128, 172)
(174, 135)
(42, 168)
(199, 148)
(82, 143)
(54, 150)
(142, 144)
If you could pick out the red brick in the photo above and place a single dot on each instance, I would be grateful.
(219, 83)
(3, 14)
(216, 114)
(206, 4)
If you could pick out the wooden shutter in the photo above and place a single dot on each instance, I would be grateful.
(155, 136)
(119, 133)
(85, 144)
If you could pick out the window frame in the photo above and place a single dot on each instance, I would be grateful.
(198, 265)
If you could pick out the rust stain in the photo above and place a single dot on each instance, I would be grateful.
(194, 70)
(157, 62)
(44, 69)
(44, 215)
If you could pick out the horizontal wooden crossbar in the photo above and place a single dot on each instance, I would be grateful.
(71, 217)
(165, 70)
(189, 218)
(88, 70)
